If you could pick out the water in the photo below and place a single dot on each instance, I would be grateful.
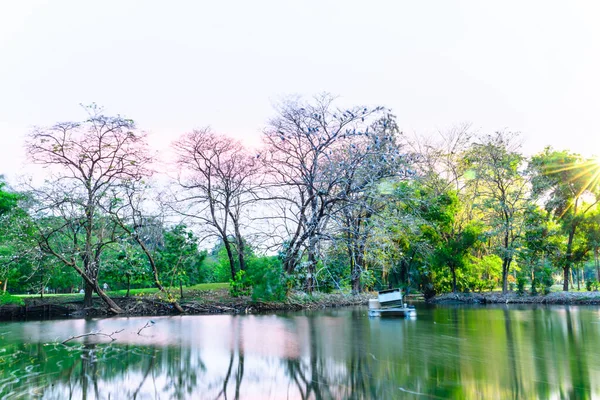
(453, 352)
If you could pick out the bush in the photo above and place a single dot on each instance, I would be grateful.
(269, 280)
(6, 299)
(241, 285)
(367, 278)
(546, 280)
(591, 284)
(521, 282)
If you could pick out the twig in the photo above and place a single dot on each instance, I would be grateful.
(148, 325)
(110, 335)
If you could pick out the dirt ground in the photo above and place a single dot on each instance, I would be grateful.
(511, 297)
(216, 301)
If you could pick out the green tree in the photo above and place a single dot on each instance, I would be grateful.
(495, 167)
(179, 259)
(569, 185)
(591, 229)
(541, 244)
(18, 247)
(126, 265)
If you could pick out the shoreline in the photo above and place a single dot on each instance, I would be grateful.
(556, 298)
(39, 309)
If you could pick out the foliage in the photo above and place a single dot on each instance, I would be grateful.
(570, 186)
(269, 282)
(6, 299)
(178, 259)
(348, 202)
(264, 279)
(521, 282)
(592, 284)
(241, 285)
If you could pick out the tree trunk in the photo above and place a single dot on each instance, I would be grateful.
(230, 258)
(128, 285)
(566, 278)
(239, 242)
(112, 306)
(568, 260)
(87, 297)
(504, 278)
(157, 283)
(505, 269)
(180, 289)
(312, 263)
(453, 270)
(355, 265)
(597, 264)
(5, 284)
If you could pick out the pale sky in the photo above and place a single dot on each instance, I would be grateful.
(526, 66)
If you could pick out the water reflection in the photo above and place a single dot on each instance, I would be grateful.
(447, 352)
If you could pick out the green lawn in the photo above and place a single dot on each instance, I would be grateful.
(134, 292)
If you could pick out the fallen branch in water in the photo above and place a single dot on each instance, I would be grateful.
(148, 325)
(110, 335)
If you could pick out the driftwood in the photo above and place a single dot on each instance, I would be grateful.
(109, 335)
(148, 325)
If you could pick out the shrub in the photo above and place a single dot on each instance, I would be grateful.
(591, 284)
(521, 282)
(269, 280)
(241, 285)
(367, 278)
(6, 299)
(546, 280)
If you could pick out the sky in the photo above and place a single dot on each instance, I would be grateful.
(524, 66)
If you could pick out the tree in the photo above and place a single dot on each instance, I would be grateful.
(216, 175)
(179, 257)
(128, 212)
(126, 264)
(88, 162)
(453, 246)
(447, 207)
(570, 187)
(541, 243)
(15, 235)
(501, 190)
(373, 163)
(591, 228)
(312, 152)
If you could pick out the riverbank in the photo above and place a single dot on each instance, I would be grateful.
(581, 298)
(215, 301)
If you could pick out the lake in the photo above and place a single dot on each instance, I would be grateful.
(493, 352)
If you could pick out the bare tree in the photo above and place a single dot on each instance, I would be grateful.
(372, 165)
(216, 175)
(128, 212)
(313, 154)
(88, 161)
(440, 160)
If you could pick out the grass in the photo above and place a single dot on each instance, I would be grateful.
(210, 286)
(190, 291)
(6, 299)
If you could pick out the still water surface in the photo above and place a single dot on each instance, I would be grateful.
(454, 352)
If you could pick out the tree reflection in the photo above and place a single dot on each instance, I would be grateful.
(511, 356)
(448, 353)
